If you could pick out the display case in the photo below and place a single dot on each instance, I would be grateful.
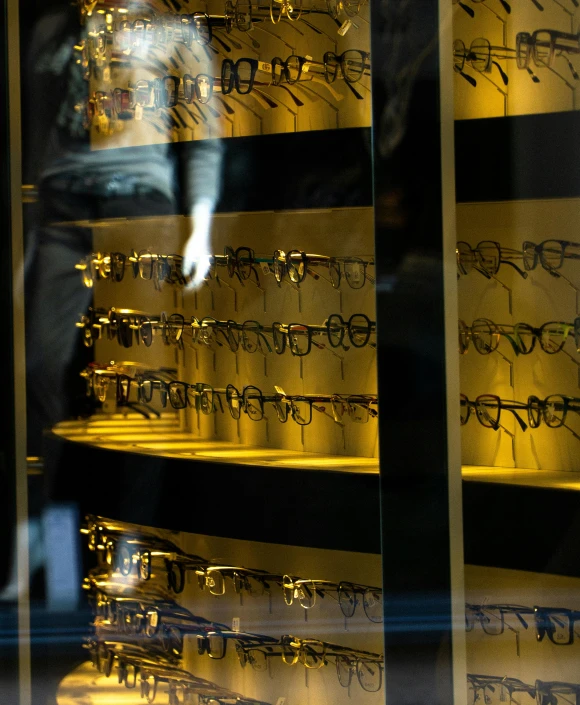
(238, 235)
(517, 219)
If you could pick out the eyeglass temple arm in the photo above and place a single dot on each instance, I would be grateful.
(467, 77)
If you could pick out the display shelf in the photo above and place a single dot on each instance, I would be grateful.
(171, 479)
(161, 438)
(97, 689)
(523, 477)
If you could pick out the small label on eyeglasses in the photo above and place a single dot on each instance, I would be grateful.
(279, 390)
(107, 74)
(344, 27)
(265, 267)
(265, 66)
(103, 123)
(203, 89)
(355, 273)
(235, 624)
(280, 701)
(138, 112)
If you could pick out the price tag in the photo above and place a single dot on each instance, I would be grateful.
(344, 27)
(103, 124)
(265, 67)
(279, 390)
(281, 701)
(138, 112)
(356, 272)
(265, 267)
(236, 624)
(203, 89)
(107, 74)
(306, 66)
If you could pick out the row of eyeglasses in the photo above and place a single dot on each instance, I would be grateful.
(486, 336)
(169, 91)
(143, 557)
(143, 667)
(162, 29)
(488, 255)
(496, 690)
(205, 399)
(128, 326)
(138, 655)
(242, 264)
(558, 624)
(552, 410)
(145, 620)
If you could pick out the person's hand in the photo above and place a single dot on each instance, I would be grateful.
(197, 249)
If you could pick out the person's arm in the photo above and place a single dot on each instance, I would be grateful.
(201, 189)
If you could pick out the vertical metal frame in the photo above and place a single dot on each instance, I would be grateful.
(14, 514)
(414, 199)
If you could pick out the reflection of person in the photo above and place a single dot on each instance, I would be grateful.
(77, 183)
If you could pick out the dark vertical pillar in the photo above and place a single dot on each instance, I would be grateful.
(411, 366)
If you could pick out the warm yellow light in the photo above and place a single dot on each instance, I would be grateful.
(332, 461)
(238, 453)
(182, 445)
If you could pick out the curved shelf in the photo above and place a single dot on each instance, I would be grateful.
(151, 472)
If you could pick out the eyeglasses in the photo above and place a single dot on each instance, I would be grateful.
(544, 46)
(486, 336)
(352, 65)
(491, 617)
(289, 70)
(295, 265)
(486, 258)
(148, 266)
(359, 329)
(241, 264)
(349, 595)
(481, 56)
(369, 672)
(239, 75)
(557, 623)
(551, 254)
(198, 88)
(196, 28)
(256, 656)
(298, 337)
(487, 408)
(311, 653)
(305, 590)
(494, 690)
(551, 336)
(251, 401)
(245, 580)
(357, 408)
(553, 410)
(557, 693)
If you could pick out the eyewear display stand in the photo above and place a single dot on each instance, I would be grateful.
(307, 432)
(514, 472)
